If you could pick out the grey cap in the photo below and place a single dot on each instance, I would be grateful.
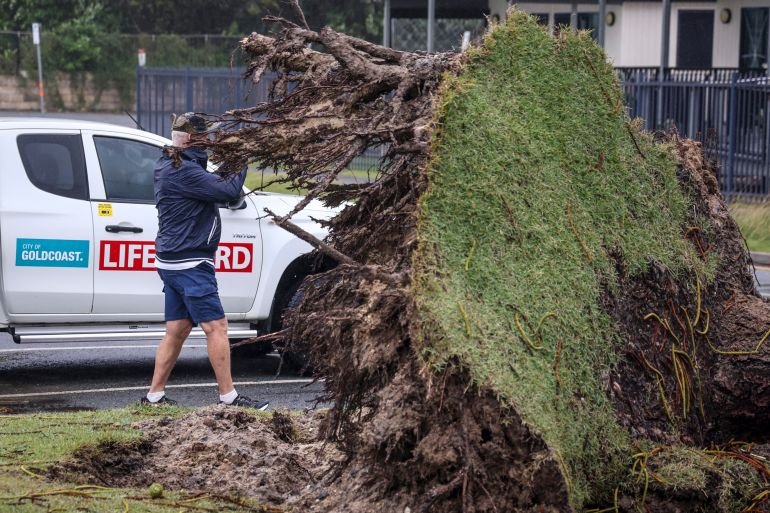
(190, 122)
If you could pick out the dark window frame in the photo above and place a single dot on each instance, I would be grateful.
(31, 160)
(543, 18)
(744, 60)
(703, 56)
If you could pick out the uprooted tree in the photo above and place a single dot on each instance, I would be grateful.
(537, 306)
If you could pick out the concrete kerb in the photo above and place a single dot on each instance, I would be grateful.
(760, 258)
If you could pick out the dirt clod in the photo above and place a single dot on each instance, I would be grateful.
(217, 450)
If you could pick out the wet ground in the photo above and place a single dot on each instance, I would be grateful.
(47, 377)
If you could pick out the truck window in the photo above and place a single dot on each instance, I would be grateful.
(55, 163)
(127, 168)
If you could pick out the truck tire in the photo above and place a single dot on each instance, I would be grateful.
(296, 360)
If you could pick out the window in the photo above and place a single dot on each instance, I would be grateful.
(589, 21)
(541, 17)
(561, 18)
(695, 39)
(127, 168)
(55, 163)
(754, 45)
(585, 21)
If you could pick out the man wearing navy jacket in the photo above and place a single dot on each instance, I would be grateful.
(189, 227)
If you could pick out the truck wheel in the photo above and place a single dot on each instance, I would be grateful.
(296, 360)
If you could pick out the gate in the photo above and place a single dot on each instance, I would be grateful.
(727, 110)
(161, 92)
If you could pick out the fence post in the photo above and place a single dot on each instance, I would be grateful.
(189, 90)
(18, 52)
(139, 96)
(731, 134)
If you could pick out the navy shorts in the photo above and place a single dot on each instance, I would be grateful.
(192, 294)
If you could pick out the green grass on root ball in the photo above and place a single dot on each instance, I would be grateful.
(534, 177)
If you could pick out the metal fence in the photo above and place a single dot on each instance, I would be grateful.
(726, 109)
(411, 34)
(161, 92)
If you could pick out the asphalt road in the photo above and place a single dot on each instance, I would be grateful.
(60, 377)
(763, 279)
(77, 376)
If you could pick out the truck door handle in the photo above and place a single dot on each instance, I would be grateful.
(115, 228)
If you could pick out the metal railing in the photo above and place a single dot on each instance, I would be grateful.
(161, 92)
(726, 109)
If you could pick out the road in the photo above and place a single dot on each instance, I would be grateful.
(763, 279)
(61, 377)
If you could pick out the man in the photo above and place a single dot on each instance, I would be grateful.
(189, 227)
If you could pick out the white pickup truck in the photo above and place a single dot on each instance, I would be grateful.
(77, 230)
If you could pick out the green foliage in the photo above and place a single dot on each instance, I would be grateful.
(360, 18)
(102, 38)
(75, 43)
(535, 182)
(753, 218)
(724, 475)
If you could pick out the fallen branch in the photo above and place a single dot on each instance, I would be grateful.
(375, 272)
(262, 338)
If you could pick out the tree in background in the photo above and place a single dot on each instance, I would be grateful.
(361, 18)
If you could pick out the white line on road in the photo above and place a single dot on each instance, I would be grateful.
(128, 389)
(80, 348)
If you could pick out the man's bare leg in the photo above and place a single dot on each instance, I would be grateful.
(168, 352)
(219, 353)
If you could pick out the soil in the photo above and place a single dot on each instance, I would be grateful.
(217, 450)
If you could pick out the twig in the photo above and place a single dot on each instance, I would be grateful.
(470, 255)
(375, 272)
(576, 234)
(740, 353)
(557, 361)
(511, 218)
(298, 11)
(465, 318)
(29, 472)
(517, 319)
(262, 338)
(440, 490)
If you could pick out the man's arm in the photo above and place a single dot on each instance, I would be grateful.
(195, 182)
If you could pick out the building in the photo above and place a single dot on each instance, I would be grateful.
(698, 66)
(701, 34)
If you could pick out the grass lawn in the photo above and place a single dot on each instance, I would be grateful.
(258, 180)
(29, 443)
(754, 220)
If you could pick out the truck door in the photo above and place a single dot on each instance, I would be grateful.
(126, 283)
(45, 225)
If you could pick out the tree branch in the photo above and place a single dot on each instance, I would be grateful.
(374, 272)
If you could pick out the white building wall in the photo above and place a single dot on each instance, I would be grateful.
(639, 33)
(499, 7)
(635, 37)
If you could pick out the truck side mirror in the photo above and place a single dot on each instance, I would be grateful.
(236, 204)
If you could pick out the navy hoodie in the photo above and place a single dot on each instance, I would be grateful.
(186, 197)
